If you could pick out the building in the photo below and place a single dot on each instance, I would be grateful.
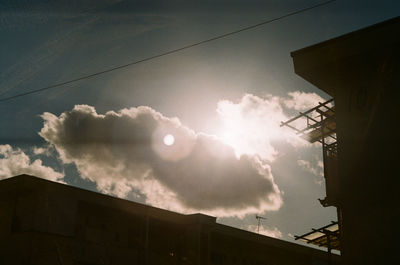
(44, 222)
(361, 71)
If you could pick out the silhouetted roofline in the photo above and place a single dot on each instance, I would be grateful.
(24, 182)
(346, 36)
(323, 64)
(29, 178)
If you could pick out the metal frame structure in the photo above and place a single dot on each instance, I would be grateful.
(327, 236)
(320, 123)
(320, 126)
(259, 218)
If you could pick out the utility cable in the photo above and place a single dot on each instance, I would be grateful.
(167, 53)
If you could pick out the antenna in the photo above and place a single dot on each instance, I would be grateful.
(259, 218)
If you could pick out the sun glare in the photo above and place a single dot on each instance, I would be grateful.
(169, 139)
(251, 136)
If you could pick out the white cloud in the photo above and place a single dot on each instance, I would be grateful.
(301, 101)
(228, 175)
(46, 151)
(314, 167)
(252, 125)
(124, 152)
(271, 232)
(15, 162)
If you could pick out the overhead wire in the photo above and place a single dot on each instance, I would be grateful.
(166, 53)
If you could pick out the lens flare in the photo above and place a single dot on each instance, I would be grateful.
(169, 139)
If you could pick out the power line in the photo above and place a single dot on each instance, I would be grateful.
(167, 53)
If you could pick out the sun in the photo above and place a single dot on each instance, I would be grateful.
(169, 139)
(251, 135)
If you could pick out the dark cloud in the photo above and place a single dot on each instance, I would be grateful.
(124, 152)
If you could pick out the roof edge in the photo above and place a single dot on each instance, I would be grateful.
(346, 36)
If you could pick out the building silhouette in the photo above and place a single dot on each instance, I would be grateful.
(361, 71)
(49, 223)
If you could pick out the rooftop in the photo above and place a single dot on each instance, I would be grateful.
(68, 195)
(321, 63)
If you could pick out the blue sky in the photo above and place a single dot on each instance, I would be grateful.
(46, 42)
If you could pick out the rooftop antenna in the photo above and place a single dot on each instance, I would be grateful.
(259, 218)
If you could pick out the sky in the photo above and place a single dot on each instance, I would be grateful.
(194, 131)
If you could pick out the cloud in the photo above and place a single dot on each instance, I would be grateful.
(15, 162)
(252, 125)
(224, 175)
(45, 151)
(315, 167)
(123, 152)
(271, 232)
(301, 101)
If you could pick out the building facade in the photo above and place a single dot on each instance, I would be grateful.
(361, 71)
